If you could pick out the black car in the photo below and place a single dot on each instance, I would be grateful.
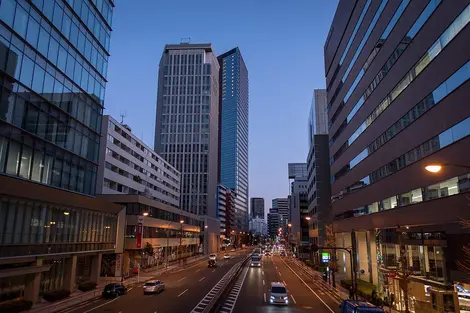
(212, 263)
(114, 290)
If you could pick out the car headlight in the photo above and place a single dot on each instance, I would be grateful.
(272, 297)
(285, 298)
(251, 264)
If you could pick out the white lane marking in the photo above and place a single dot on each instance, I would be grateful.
(202, 278)
(279, 274)
(181, 279)
(182, 293)
(307, 287)
(263, 282)
(198, 270)
(285, 284)
(213, 270)
(99, 306)
(264, 297)
(293, 299)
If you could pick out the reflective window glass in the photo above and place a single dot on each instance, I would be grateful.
(27, 69)
(21, 21)
(13, 158)
(38, 165)
(461, 130)
(43, 43)
(19, 112)
(3, 153)
(7, 11)
(25, 165)
(38, 79)
(33, 32)
(47, 171)
(56, 173)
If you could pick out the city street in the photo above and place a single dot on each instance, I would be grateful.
(183, 290)
(305, 294)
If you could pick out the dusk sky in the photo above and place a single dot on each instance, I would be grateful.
(281, 42)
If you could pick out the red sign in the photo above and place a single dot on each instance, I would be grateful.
(138, 243)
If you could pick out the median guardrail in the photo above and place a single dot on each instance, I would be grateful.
(216, 302)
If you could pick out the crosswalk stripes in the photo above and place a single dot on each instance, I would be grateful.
(232, 297)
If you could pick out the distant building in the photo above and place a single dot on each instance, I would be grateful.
(274, 222)
(318, 117)
(281, 205)
(296, 170)
(298, 209)
(258, 226)
(233, 131)
(257, 207)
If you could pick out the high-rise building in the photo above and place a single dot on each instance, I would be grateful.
(233, 128)
(274, 222)
(281, 206)
(318, 116)
(257, 207)
(298, 205)
(397, 76)
(318, 166)
(134, 176)
(187, 125)
(53, 64)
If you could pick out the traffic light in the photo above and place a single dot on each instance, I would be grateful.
(314, 247)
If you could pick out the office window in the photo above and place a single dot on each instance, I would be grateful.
(13, 158)
(25, 164)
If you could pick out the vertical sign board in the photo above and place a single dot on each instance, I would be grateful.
(118, 267)
(140, 230)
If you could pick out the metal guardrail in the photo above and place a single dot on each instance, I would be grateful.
(214, 304)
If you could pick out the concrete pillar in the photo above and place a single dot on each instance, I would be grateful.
(363, 256)
(373, 257)
(95, 268)
(70, 273)
(31, 290)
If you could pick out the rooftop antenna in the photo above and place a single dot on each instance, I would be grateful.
(185, 40)
(123, 115)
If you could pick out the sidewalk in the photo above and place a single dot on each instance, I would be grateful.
(77, 296)
(342, 292)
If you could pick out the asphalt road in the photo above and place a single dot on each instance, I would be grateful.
(183, 290)
(305, 294)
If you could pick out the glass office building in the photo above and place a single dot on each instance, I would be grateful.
(53, 64)
(233, 129)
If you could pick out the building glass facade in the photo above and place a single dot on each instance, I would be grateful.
(53, 64)
(234, 131)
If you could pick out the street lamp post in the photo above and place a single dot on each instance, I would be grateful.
(181, 240)
(437, 167)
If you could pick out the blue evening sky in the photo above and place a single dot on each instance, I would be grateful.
(281, 42)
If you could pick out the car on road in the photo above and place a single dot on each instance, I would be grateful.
(227, 256)
(153, 286)
(278, 294)
(211, 263)
(114, 290)
(267, 253)
(282, 253)
(255, 261)
(213, 256)
(233, 250)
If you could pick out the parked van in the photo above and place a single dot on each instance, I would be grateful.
(355, 306)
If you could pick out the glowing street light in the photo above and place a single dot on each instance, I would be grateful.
(289, 225)
(433, 168)
(436, 167)
(308, 218)
(145, 214)
(181, 221)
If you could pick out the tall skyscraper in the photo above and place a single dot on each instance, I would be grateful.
(398, 84)
(187, 128)
(257, 207)
(187, 121)
(233, 129)
(53, 63)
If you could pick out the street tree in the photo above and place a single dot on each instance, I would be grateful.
(330, 241)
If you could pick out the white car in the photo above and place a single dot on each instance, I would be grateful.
(278, 294)
(226, 256)
(213, 256)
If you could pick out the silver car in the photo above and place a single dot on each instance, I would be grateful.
(153, 286)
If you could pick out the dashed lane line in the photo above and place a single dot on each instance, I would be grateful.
(182, 293)
(306, 285)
